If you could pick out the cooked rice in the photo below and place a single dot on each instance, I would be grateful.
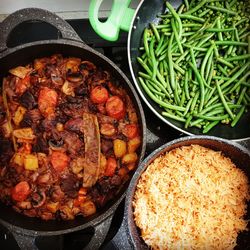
(191, 198)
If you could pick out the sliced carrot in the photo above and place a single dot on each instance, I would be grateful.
(59, 161)
(111, 166)
(115, 107)
(99, 95)
(21, 191)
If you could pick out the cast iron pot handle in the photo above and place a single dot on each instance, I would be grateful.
(120, 17)
(34, 14)
(25, 242)
(100, 234)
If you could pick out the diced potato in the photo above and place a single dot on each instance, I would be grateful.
(129, 158)
(59, 127)
(20, 71)
(18, 116)
(6, 130)
(31, 162)
(53, 206)
(68, 89)
(133, 144)
(120, 148)
(24, 133)
(18, 159)
(88, 208)
(39, 64)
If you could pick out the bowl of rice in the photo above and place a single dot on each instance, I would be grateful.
(191, 193)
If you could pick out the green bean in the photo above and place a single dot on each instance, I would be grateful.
(186, 85)
(213, 118)
(194, 18)
(241, 21)
(198, 6)
(195, 48)
(219, 27)
(187, 107)
(244, 35)
(196, 123)
(162, 48)
(204, 62)
(163, 104)
(194, 101)
(152, 88)
(219, 30)
(243, 92)
(200, 80)
(221, 78)
(221, 60)
(248, 41)
(155, 32)
(208, 66)
(152, 57)
(232, 3)
(171, 116)
(145, 66)
(233, 70)
(177, 36)
(189, 118)
(145, 41)
(210, 126)
(210, 74)
(223, 10)
(177, 67)
(159, 44)
(222, 70)
(170, 63)
(238, 116)
(235, 76)
(243, 30)
(237, 58)
(162, 26)
(223, 100)
(235, 43)
(176, 16)
(187, 4)
(204, 13)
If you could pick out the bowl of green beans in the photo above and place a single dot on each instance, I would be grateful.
(194, 67)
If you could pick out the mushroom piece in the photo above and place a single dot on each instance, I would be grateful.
(38, 199)
(74, 77)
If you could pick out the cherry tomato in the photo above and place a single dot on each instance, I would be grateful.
(47, 101)
(59, 161)
(21, 191)
(130, 131)
(99, 95)
(115, 107)
(111, 166)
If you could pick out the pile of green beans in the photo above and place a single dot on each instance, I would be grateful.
(195, 62)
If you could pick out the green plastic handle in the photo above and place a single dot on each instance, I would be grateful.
(120, 17)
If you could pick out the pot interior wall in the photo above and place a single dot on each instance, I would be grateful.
(240, 157)
(24, 56)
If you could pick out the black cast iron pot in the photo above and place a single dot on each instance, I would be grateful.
(239, 154)
(25, 229)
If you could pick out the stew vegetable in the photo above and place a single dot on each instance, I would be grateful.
(69, 137)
